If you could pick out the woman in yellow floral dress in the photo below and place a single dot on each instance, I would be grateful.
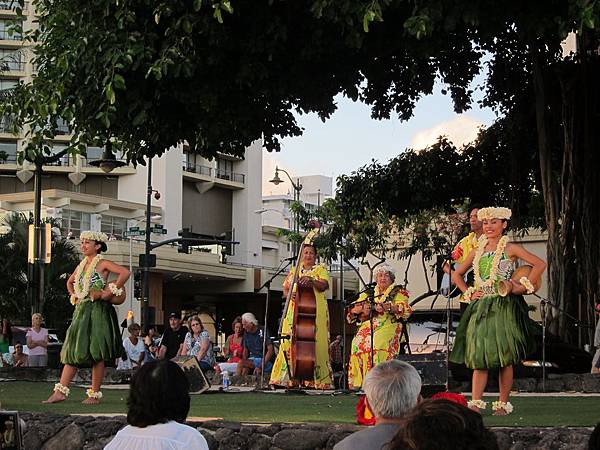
(391, 307)
(317, 277)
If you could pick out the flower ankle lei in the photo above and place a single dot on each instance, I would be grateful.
(93, 394)
(64, 390)
(507, 407)
(480, 404)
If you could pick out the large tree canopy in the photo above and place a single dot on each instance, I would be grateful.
(147, 74)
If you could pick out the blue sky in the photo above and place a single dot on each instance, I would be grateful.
(351, 138)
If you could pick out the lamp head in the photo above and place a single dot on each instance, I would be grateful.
(107, 162)
(276, 180)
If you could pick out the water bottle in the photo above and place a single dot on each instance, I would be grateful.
(225, 380)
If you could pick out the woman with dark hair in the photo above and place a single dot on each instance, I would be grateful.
(313, 276)
(456, 428)
(5, 336)
(93, 336)
(233, 348)
(158, 405)
(495, 331)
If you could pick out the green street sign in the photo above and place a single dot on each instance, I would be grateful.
(134, 233)
(134, 228)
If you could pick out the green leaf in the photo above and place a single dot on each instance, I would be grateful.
(110, 94)
(197, 5)
(119, 81)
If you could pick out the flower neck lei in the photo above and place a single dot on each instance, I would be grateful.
(82, 286)
(384, 295)
(495, 262)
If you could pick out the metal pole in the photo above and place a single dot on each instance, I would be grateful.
(145, 305)
(130, 281)
(343, 381)
(36, 280)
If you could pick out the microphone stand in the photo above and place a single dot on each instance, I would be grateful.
(543, 311)
(267, 284)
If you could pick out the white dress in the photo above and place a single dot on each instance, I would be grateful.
(162, 436)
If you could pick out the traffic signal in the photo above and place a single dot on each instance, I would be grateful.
(137, 284)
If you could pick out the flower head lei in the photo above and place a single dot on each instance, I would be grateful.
(82, 284)
(495, 262)
(97, 236)
(494, 213)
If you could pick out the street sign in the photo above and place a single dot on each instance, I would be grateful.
(158, 226)
(134, 228)
(158, 229)
(133, 233)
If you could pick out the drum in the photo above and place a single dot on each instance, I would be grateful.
(505, 287)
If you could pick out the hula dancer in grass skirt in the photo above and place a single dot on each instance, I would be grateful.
(495, 329)
(93, 336)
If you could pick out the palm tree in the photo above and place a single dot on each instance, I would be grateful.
(13, 283)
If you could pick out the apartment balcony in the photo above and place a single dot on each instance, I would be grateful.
(221, 178)
(10, 68)
(8, 8)
(6, 36)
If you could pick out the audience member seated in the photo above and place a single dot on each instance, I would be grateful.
(392, 389)
(197, 343)
(151, 344)
(158, 405)
(443, 425)
(5, 341)
(252, 342)
(37, 342)
(135, 350)
(19, 359)
(173, 337)
(233, 348)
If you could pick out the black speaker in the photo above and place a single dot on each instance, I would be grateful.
(432, 367)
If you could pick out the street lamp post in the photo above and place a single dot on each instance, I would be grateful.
(35, 278)
(297, 188)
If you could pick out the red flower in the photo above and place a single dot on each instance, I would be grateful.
(364, 416)
(451, 396)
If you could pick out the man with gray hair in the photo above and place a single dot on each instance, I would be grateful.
(252, 343)
(392, 389)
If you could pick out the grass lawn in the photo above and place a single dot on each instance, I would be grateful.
(279, 407)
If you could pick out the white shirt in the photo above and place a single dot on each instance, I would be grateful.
(133, 354)
(162, 436)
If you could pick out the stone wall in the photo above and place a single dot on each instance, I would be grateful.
(59, 432)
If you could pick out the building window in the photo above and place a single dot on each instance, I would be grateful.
(11, 60)
(8, 152)
(6, 85)
(224, 168)
(113, 227)
(74, 222)
(63, 160)
(8, 31)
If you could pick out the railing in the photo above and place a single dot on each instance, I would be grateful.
(196, 168)
(12, 36)
(63, 161)
(11, 66)
(231, 176)
(6, 124)
(86, 162)
(11, 5)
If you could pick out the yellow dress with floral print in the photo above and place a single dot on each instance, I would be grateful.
(387, 330)
(322, 374)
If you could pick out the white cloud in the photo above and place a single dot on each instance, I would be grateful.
(460, 130)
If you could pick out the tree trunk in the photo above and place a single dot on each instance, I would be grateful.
(568, 116)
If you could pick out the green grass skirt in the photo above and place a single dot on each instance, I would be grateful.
(93, 335)
(493, 332)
